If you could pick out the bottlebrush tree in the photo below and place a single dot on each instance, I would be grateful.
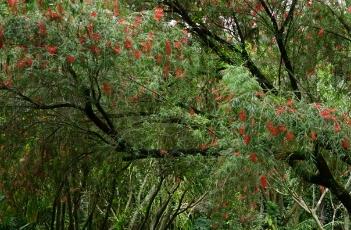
(103, 78)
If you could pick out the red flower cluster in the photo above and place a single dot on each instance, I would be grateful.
(128, 43)
(289, 136)
(93, 14)
(115, 8)
(42, 28)
(327, 114)
(253, 157)
(246, 139)
(116, 49)
(12, 3)
(52, 15)
(313, 135)
(275, 130)
(51, 49)
(158, 14)
(137, 54)
(95, 50)
(263, 181)
(168, 48)
(272, 129)
(242, 130)
(106, 88)
(146, 46)
(24, 63)
(345, 143)
(242, 115)
(70, 59)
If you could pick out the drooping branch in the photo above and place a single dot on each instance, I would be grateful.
(37, 105)
(323, 177)
(327, 179)
(219, 45)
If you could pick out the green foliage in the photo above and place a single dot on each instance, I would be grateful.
(126, 122)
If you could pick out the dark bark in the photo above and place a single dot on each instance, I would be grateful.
(279, 36)
(323, 177)
(326, 179)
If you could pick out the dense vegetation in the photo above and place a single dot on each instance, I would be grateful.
(175, 114)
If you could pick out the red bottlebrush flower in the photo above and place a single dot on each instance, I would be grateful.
(52, 15)
(59, 9)
(168, 48)
(90, 29)
(137, 54)
(289, 136)
(158, 14)
(95, 37)
(146, 46)
(290, 102)
(327, 114)
(345, 143)
(70, 59)
(184, 40)
(274, 131)
(29, 62)
(116, 49)
(51, 49)
(166, 69)
(242, 130)
(177, 44)
(349, 9)
(12, 3)
(179, 72)
(42, 28)
(95, 50)
(313, 135)
(203, 147)
(242, 115)
(8, 83)
(337, 127)
(106, 88)
(317, 105)
(1, 44)
(279, 110)
(126, 29)
(115, 8)
(138, 20)
(263, 181)
(158, 58)
(246, 139)
(282, 128)
(321, 33)
(253, 157)
(24, 63)
(128, 43)
(93, 14)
